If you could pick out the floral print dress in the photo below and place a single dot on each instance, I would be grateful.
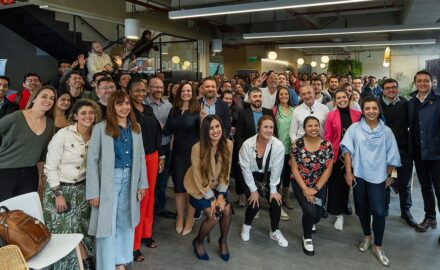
(311, 165)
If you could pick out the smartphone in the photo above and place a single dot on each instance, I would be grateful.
(318, 201)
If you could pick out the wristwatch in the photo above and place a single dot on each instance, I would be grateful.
(317, 188)
(212, 199)
(389, 175)
(57, 193)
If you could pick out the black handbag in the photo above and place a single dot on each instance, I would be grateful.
(262, 180)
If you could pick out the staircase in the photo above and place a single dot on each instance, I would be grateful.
(39, 27)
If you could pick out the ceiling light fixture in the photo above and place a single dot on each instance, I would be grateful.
(175, 59)
(344, 31)
(255, 7)
(132, 27)
(325, 59)
(286, 63)
(272, 55)
(322, 65)
(300, 61)
(313, 64)
(359, 44)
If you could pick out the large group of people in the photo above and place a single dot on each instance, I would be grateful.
(100, 146)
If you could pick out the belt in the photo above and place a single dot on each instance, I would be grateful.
(72, 184)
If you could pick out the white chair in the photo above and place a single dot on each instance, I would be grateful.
(59, 246)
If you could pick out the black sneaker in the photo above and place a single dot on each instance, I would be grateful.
(166, 214)
(324, 212)
(408, 219)
(426, 225)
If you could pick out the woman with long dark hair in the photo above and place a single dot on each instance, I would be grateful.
(312, 160)
(336, 124)
(65, 207)
(116, 183)
(207, 182)
(282, 112)
(62, 107)
(371, 153)
(154, 158)
(184, 124)
(24, 138)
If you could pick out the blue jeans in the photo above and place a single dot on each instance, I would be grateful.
(161, 182)
(369, 200)
(118, 248)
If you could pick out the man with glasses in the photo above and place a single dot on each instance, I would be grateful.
(424, 144)
(31, 82)
(6, 107)
(161, 109)
(395, 112)
(104, 88)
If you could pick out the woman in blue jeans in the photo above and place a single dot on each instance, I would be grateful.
(116, 182)
(371, 153)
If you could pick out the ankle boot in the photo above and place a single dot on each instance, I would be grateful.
(89, 264)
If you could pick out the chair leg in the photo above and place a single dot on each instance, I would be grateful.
(78, 255)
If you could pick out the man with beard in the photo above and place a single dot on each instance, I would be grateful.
(210, 104)
(31, 82)
(270, 92)
(333, 85)
(104, 88)
(320, 97)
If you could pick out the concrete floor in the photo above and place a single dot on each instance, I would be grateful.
(406, 248)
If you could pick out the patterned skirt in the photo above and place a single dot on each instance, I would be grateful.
(74, 221)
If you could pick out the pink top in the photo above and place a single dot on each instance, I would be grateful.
(333, 129)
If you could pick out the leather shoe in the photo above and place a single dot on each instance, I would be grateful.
(324, 212)
(426, 225)
(349, 210)
(166, 214)
(409, 219)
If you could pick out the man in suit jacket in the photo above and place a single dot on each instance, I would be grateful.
(6, 107)
(211, 105)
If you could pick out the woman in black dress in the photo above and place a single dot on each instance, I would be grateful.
(184, 124)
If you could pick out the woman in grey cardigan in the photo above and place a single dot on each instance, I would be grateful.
(116, 182)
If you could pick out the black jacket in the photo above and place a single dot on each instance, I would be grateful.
(246, 127)
(8, 107)
(396, 117)
(222, 111)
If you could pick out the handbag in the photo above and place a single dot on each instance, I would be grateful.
(262, 183)
(26, 232)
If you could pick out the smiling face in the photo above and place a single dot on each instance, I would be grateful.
(215, 131)
(371, 111)
(186, 94)
(123, 80)
(283, 96)
(4, 86)
(227, 97)
(312, 128)
(209, 89)
(333, 84)
(138, 92)
(265, 130)
(282, 80)
(123, 109)
(32, 83)
(341, 100)
(317, 86)
(156, 88)
(75, 81)
(307, 95)
(357, 84)
(63, 102)
(85, 117)
(255, 99)
(423, 83)
(390, 90)
(44, 100)
(349, 90)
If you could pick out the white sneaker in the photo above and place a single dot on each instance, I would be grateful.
(245, 230)
(314, 230)
(279, 238)
(308, 247)
(339, 223)
(284, 215)
(257, 216)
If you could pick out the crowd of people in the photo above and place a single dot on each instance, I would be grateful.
(100, 141)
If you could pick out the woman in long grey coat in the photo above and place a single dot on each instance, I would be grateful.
(116, 182)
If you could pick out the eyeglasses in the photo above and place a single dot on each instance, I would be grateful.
(156, 87)
(390, 88)
(108, 88)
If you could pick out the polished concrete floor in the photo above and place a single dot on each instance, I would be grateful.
(406, 248)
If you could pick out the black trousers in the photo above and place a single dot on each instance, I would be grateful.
(311, 212)
(274, 207)
(285, 174)
(404, 175)
(428, 172)
(18, 181)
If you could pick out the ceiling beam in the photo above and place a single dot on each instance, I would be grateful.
(359, 44)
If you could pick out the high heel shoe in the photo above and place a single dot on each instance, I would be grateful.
(204, 256)
(226, 256)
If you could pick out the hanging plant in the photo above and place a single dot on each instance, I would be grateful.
(344, 67)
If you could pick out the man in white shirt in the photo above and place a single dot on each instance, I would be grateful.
(98, 61)
(309, 107)
(270, 92)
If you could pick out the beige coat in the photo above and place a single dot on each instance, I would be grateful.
(193, 180)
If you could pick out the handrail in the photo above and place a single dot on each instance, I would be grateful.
(91, 27)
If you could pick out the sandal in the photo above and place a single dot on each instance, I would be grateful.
(137, 256)
(149, 242)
